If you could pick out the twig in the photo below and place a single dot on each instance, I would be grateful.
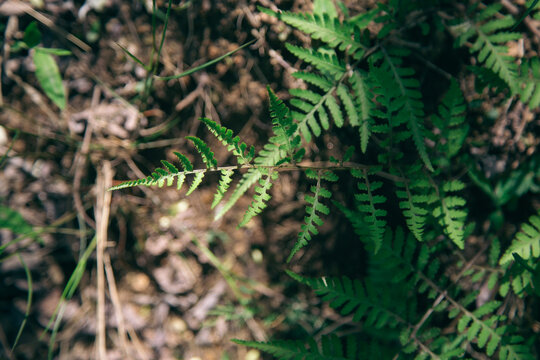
(102, 219)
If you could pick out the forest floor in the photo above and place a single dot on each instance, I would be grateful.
(177, 284)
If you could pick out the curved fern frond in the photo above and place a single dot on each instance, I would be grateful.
(325, 62)
(530, 77)
(364, 107)
(234, 145)
(409, 108)
(203, 149)
(365, 300)
(245, 183)
(162, 177)
(332, 348)
(526, 242)
(325, 28)
(224, 182)
(490, 334)
(261, 197)
(284, 128)
(414, 197)
(402, 260)
(315, 205)
(371, 227)
(197, 180)
(487, 28)
(451, 211)
(451, 123)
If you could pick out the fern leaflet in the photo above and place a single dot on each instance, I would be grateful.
(261, 197)
(326, 28)
(313, 219)
(451, 123)
(414, 197)
(331, 348)
(451, 211)
(224, 182)
(364, 300)
(526, 243)
(238, 148)
(488, 40)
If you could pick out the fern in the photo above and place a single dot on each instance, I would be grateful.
(451, 211)
(331, 348)
(367, 218)
(327, 28)
(487, 28)
(223, 186)
(530, 77)
(526, 243)
(451, 123)
(413, 198)
(365, 301)
(315, 205)
(407, 106)
(261, 197)
(233, 143)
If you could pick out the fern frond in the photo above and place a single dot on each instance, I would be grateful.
(364, 300)
(490, 334)
(315, 205)
(261, 197)
(367, 206)
(412, 109)
(245, 183)
(364, 106)
(203, 149)
(451, 122)
(233, 143)
(526, 242)
(224, 182)
(486, 28)
(530, 77)
(401, 260)
(284, 128)
(325, 28)
(332, 348)
(451, 211)
(414, 197)
(327, 63)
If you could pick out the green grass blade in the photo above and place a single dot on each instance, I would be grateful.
(28, 302)
(209, 63)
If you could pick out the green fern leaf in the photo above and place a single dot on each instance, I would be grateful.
(315, 206)
(451, 211)
(485, 27)
(233, 143)
(325, 28)
(451, 123)
(261, 197)
(412, 110)
(530, 77)
(364, 107)
(367, 210)
(414, 197)
(197, 179)
(526, 242)
(224, 182)
(365, 301)
(324, 62)
(331, 348)
(206, 154)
